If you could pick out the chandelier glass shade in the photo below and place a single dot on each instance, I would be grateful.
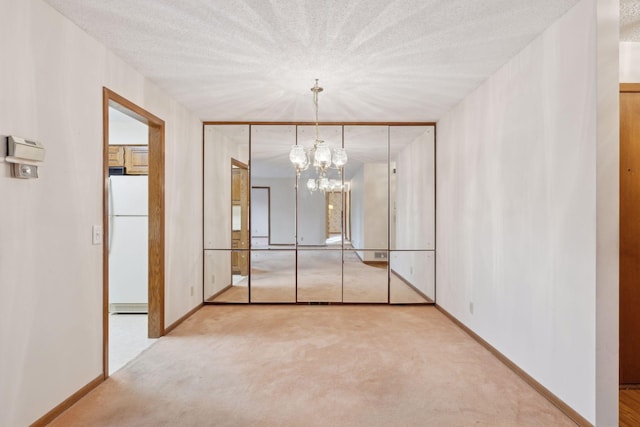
(320, 156)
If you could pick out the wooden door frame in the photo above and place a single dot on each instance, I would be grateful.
(156, 216)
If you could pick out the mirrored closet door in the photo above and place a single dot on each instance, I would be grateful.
(360, 234)
(273, 214)
(226, 213)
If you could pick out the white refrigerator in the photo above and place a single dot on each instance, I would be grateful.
(128, 243)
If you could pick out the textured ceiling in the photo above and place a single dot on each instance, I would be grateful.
(378, 60)
(630, 20)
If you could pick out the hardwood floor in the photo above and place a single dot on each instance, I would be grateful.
(629, 407)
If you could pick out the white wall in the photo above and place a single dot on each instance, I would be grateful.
(51, 299)
(259, 212)
(607, 213)
(629, 62)
(516, 218)
(283, 208)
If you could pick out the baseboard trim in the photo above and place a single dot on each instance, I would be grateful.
(68, 402)
(175, 324)
(555, 400)
(378, 264)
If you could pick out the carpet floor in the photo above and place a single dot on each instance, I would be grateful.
(314, 366)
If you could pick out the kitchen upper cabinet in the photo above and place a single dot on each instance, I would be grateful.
(136, 160)
(116, 155)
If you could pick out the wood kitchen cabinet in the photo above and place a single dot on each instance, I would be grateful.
(116, 155)
(136, 160)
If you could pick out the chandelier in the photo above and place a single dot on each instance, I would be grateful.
(320, 155)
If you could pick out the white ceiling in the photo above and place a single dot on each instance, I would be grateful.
(255, 60)
(630, 20)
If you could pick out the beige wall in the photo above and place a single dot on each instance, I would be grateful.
(51, 82)
(527, 210)
(629, 62)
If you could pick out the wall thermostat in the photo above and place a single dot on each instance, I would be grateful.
(21, 148)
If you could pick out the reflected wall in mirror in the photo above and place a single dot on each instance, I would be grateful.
(412, 171)
(260, 217)
(367, 176)
(272, 170)
(412, 277)
(223, 144)
(221, 284)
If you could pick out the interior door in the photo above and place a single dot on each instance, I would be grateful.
(240, 218)
(630, 237)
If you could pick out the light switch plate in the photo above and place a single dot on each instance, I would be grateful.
(97, 235)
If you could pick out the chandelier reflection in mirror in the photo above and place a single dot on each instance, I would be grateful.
(321, 156)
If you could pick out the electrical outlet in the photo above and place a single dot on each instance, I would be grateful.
(191, 290)
(471, 307)
(213, 279)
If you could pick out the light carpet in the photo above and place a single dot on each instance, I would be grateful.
(315, 366)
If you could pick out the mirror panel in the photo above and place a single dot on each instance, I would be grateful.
(367, 176)
(313, 205)
(412, 187)
(319, 275)
(272, 170)
(273, 275)
(365, 282)
(412, 277)
(224, 145)
(223, 279)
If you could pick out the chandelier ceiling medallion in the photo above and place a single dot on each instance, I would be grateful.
(320, 155)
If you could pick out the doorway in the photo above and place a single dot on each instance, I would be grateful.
(629, 402)
(143, 163)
